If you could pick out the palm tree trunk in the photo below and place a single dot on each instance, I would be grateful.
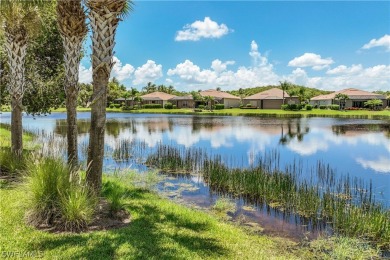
(16, 46)
(104, 24)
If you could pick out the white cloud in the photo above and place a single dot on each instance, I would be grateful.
(381, 42)
(311, 60)
(202, 29)
(85, 75)
(219, 66)
(148, 72)
(191, 73)
(256, 56)
(121, 72)
(342, 69)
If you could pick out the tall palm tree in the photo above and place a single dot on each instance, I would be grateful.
(104, 16)
(20, 22)
(72, 25)
(150, 87)
(284, 86)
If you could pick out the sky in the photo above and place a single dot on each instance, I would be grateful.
(192, 45)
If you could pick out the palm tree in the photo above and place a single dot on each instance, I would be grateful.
(133, 94)
(20, 22)
(284, 86)
(150, 88)
(341, 97)
(104, 16)
(209, 100)
(170, 89)
(72, 25)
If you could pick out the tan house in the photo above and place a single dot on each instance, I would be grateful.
(221, 97)
(270, 99)
(356, 98)
(183, 101)
(156, 98)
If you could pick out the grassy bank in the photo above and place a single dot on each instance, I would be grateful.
(159, 229)
(364, 114)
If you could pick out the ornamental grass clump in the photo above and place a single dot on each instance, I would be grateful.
(57, 196)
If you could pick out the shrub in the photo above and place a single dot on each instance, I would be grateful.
(197, 110)
(126, 108)
(201, 106)
(117, 105)
(112, 105)
(168, 106)
(174, 106)
(9, 163)
(322, 107)
(285, 107)
(219, 106)
(309, 107)
(153, 106)
(334, 107)
(115, 195)
(249, 105)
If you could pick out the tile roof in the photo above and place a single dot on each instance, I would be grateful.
(157, 96)
(189, 97)
(352, 93)
(273, 93)
(217, 94)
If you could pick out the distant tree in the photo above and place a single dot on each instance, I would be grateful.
(85, 94)
(218, 88)
(170, 89)
(115, 90)
(150, 88)
(208, 100)
(342, 99)
(373, 104)
(284, 86)
(133, 94)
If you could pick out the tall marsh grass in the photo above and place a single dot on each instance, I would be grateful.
(321, 199)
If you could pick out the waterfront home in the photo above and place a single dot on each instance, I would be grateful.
(356, 98)
(183, 101)
(269, 99)
(157, 97)
(221, 97)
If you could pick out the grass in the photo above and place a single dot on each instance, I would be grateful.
(159, 229)
(320, 199)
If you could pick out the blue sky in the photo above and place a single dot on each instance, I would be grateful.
(231, 44)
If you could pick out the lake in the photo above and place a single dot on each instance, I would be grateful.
(357, 147)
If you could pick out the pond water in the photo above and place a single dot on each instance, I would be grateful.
(358, 147)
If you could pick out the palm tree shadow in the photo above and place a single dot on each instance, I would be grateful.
(155, 233)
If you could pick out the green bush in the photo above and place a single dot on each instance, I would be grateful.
(285, 107)
(201, 106)
(309, 107)
(168, 106)
(117, 105)
(152, 106)
(174, 106)
(115, 195)
(197, 110)
(126, 108)
(112, 105)
(219, 106)
(249, 105)
(334, 107)
(10, 164)
(323, 107)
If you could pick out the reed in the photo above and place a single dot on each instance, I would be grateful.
(319, 198)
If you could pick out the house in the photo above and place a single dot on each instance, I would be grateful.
(183, 101)
(126, 101)
(156, 98)
(356, 98)
(221, 97)
(270, 99)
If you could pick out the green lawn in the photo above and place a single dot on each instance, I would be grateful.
(260, 112)
(159, 229)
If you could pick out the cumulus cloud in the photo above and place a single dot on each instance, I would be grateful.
(191, 73)
(381, 42)
(202, 29)
(219, 66)
(120, 71)
(342, 69)
(148, 72)
(311, 60)
(257, 58)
